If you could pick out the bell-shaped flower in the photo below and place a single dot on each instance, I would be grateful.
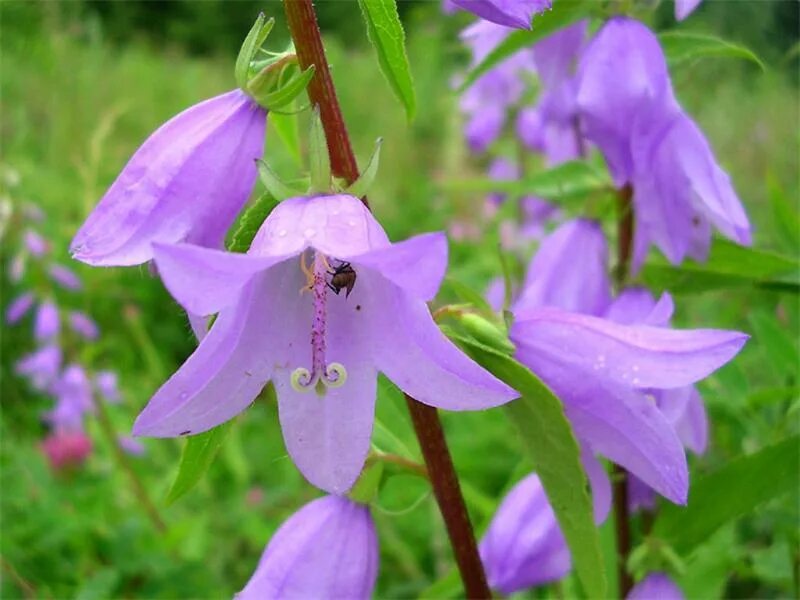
(656, 586)
(83, 325)
(321, 302)
(509, 13)
(19, 307)
(64, 277)
(683, 8)
(187, 182)
(524, 546)
(106, 383)
(73, 393)
(64, 449)
(40, 367)
(47, 323)
(327, 549)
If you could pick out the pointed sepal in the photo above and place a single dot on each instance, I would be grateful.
(320, 163)
(274, 184)
(252, 43)
(360, 186)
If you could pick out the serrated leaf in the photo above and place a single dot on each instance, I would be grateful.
(733, 490)
(197, 456)
(554, 452)
(568, 181)
(251, 221)
(684, 46)
(563, 13)
(728, 265)
(386, 33)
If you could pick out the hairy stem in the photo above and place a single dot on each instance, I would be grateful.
(622, 517)
(302, 22)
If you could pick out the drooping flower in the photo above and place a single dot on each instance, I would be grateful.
(35, 243)
(524, 545)
(106, 383)
(73, 393)
(187, 182)
(629, 110)
(64, 277)
(19, 307)
(683, 8)
(319, 268)
(656, 586)
(66, 448)
(327, 549)
(509, 13)
(47, 323)
(41, 366)
(83, 325)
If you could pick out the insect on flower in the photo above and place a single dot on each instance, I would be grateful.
(343, 276)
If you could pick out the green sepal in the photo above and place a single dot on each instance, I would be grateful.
(250, 222)
(318, 158)
(274, 184)
(269, 87)
(255, 38)
(360, 186)
(369, 482)
(487, 332)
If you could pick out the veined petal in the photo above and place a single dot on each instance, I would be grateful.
(204, 280)
(226, 372)
(410, 350)
(556, 279)
(417, 265)
(327, 549)
(619, 423)
(638, 356)
(186, 182)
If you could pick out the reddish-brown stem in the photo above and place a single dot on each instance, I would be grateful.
(622, 515)
(305, 32)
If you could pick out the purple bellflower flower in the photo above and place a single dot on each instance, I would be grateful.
(629, 110)
(65, 277)
(187, 182)
(509, 13)
(524, 546)
(41, 366)
(73, 393)
(19, 307)
(47, 323)
(131, 446)
(327, 549)
(607, 373)
(83, 325)
(683, 8)
(35, 243)
(106, 383)
(656, 586)
(282, 318)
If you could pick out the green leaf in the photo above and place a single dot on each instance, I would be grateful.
(568, 181)
(287, 129)
(728, 265)
(563, 13)
(732, 491)
(684, 46)
(251, 221)
(785, 214)
(778, 343)
(198, 454)
(386, 33)
(554, 452)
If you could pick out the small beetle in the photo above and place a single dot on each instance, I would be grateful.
(342, 277)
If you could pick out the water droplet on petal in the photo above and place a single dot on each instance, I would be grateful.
(282, 233)
(309, 233)
(352, 222)
(183, 395)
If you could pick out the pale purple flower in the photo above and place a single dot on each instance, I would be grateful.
(41, 366)
(83, 325)
(107, 385)
(327, 549)
(279, 320)
(19, 307)
(187, 182)
(17, 267)
(131, 446)
(683, 8)
(47, 322)
(66, 448)
(656, 586)
(35, 243)
(509, 13)
(524, 545)
(73, 393)
(65, 277)
(501, 169)
(449, 7)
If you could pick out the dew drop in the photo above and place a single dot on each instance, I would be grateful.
(183, 395)
(635, 381)
(282, 233)
(352, 222)
(309, 233)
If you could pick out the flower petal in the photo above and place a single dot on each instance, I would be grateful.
(639, 356)
(509, 13)
(692, 425)
(19, 307)
(410, 350)
(683, 8)
(599, 482)
(204, 280)
(636, 306)
(47, 323)
(656, 586)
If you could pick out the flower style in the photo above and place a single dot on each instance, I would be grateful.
(327, 549)
(656, 586)
(629, 110)
(524, 546)
(509, 13)
(320, 270)
(187, 182)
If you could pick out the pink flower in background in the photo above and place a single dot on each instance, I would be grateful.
(64, 449)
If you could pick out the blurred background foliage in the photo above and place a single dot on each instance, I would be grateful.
(83, 84)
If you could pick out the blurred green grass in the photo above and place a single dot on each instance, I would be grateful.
(75, 106)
